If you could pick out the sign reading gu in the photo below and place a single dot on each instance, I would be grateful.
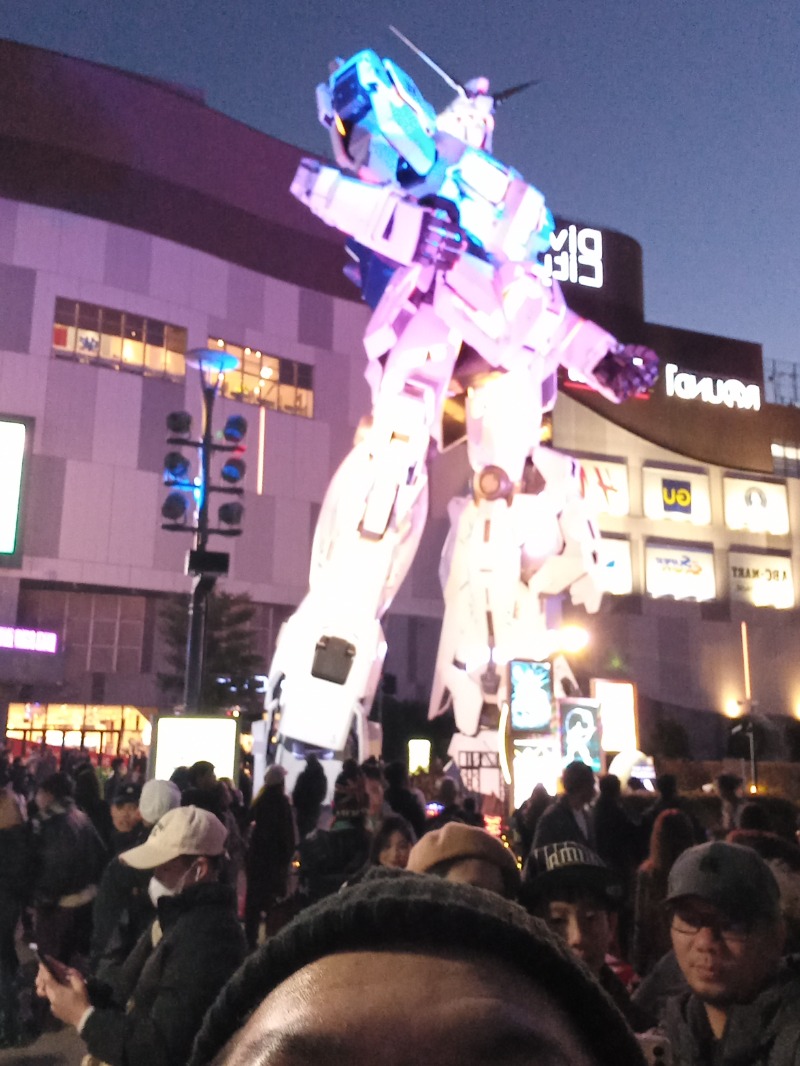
(730, 391)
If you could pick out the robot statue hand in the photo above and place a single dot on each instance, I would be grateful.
(441, 239)
(305, 179)
(629, 370)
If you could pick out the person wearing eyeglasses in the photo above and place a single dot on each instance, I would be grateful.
(728, 936)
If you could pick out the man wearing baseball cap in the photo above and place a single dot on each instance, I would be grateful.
(728, 936)
(162, 991)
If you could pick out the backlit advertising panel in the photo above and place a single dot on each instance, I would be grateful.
(617, 700)
(604, 484)
(531, 689)
(14, 443)
(758, 506)
(535, 761)
(615, 559)
(186, 739)
(580, 732)
(760, 579)
(682, 572)
(676, 495)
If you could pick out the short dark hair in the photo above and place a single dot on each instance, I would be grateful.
(577, 776)
(58, 785)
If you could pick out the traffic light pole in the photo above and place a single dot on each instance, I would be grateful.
(203, 584)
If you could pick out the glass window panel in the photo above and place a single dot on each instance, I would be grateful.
(111, 347)
(132, 353)
(87, 343)
(175, 339)
(288, 399)
(251, 387)
(78, 630)
(79, 605)
(130, 634)
(64, 338)
(154, 332)
(176, 366)
(268, 395)
(305, 403)
(154, 358)
(287, 372)
(66, 311)
(106, 607)
(305, 376)
(132, 607)
(133, 327)
(111, 322)
(76, 657)
(89, 317)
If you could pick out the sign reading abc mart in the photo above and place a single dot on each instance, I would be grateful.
(762, 580)
(728, 391)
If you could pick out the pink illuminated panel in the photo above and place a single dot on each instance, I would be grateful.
(28, 640)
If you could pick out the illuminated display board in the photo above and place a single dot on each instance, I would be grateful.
(534, 762)
(617, 700)
(760, 579)
(759, 506)
(580, 732)
(604, 484)
(14, 444)
(680, 572)
(676, 495)
(531, 687)
(728, 391)
(615, 558)
(576, 256)
(185, 740)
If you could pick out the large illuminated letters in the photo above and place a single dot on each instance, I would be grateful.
(730, 391)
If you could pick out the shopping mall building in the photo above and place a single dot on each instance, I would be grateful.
(136, 224)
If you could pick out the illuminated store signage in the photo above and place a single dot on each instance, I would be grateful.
(28, 639)
(615, 558)
(728, 391)
(605, 486)
(617, 701)
(576, 256)
(677, 495)
(762, 580)
(680, 573)
(759, 506)
(535, 761)
(12, 449)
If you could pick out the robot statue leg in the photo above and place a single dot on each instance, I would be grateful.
(329, 654)
(524, 536)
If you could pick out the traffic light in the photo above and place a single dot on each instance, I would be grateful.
(179, 423)
(175, 507)
(176, 468)
(231, 514)
(232, 470)
(235, 429)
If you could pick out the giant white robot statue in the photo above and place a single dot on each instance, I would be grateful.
(448, 243)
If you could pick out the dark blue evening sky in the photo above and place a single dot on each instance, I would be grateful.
(676, 123)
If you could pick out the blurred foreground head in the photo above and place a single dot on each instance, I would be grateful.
(404, 969)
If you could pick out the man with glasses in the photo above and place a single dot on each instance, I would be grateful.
(728, 936)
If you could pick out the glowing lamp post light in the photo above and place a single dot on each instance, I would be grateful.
(205, 566)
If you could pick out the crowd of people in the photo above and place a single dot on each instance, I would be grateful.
(183, 921)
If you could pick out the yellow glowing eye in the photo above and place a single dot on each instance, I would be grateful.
(340, 125)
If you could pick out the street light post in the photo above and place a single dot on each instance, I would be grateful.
(205, 566)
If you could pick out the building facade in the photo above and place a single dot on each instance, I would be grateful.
(137, 224)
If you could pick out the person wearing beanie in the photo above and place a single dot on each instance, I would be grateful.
(728, 936)
(406, 969)
(329, 858)
(468, 855)
(122, 909)
(149, 1014)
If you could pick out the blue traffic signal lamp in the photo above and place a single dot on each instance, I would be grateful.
(235, 429)
(179, 423)
(176, 468)
(232, 470)
(175, 508)
(231, 514)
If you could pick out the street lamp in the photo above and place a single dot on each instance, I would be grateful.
(205, 566)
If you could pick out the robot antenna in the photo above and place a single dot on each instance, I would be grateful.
(454, 85)
(507, 93)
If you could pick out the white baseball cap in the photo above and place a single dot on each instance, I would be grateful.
(182, 831)
(157, 798)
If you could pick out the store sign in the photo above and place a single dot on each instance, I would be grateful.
(615, 559)
(759, 506)
(680, 573)
(576, 255)
(28, 639)
(605, 486)
(676, 495)
(617, 701)
(728, 391)
(12, 449)
(762, 580)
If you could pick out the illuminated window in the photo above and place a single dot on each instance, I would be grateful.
(786, 459)
(268, 380)
(100, 335)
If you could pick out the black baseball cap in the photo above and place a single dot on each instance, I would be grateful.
(571, 867)
(732, 877)
(128, 793)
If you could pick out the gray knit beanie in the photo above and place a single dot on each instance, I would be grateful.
(398, 909)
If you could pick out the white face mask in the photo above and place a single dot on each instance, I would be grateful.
(155, 889)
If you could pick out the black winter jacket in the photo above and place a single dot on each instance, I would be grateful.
(765, 1032)
(68, 854)
(160, 994)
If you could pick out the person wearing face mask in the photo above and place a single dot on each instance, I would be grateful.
(149, 1012)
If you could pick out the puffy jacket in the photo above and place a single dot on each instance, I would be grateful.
(167, 988)
(69, 854)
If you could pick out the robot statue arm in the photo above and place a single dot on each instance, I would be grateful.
(627, 370)
(379, 216)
